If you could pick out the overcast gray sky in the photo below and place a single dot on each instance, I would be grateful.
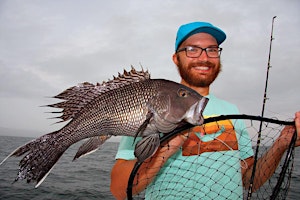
(48, 46)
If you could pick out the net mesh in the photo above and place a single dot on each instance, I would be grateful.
(210, 164)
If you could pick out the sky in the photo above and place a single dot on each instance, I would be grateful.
(48, 46)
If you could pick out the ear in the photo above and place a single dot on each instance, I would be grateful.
(175, 59)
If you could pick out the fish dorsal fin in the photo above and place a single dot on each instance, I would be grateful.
(79, 96)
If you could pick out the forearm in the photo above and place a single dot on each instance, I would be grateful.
(119, 177)
(268, 163)
(147, 171)
(265, 167)
(121, 172)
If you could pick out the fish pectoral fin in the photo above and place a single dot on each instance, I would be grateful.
(147, 147)
(142, 128)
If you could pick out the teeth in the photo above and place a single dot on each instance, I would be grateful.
(202, 68)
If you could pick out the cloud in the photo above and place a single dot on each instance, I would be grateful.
(52, 45)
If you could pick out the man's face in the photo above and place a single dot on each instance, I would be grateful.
(201, 71)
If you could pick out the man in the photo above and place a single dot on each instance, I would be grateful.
(198, 164)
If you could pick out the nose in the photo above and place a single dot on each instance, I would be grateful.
(203, 56)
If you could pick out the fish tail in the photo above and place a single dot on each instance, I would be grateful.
(41, 155)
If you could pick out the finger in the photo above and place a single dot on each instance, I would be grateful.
(297, 122)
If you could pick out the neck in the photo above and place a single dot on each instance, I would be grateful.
(201, 90)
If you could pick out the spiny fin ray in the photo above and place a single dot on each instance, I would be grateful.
(77, 97)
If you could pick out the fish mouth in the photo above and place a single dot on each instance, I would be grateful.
(194, 114)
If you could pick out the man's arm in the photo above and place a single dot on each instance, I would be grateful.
(267, 164)
(147, 171)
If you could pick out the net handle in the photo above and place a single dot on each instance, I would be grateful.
(287, 160)
(172, 134)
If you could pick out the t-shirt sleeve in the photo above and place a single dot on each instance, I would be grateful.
(126, 148)
(244, 141)
(245, 145)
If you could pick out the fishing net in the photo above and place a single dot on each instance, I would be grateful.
(210, 163)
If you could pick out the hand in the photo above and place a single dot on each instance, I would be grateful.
(288, 131)
(170, 147)
(297, 124)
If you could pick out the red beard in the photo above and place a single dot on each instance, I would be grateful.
(196, 80)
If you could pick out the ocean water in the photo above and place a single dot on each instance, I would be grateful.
(86, 178)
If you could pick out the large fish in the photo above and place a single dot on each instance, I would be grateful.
(131, 104)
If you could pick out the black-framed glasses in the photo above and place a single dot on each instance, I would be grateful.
(195, 51)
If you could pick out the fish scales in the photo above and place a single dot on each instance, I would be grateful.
(117, 112)
(131, 104)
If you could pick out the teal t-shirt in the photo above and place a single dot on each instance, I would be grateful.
(210, 175)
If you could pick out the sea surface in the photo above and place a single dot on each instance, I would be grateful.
(86, 178)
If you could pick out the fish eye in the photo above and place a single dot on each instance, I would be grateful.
(182, 92)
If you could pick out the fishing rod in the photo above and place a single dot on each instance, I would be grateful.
(262, 115)
(261, 119)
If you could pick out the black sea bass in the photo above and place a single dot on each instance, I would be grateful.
(131, 104)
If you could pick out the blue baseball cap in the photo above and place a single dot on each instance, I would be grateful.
(189, 29)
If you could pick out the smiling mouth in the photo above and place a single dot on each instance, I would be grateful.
(201, 69)
(204, 68)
